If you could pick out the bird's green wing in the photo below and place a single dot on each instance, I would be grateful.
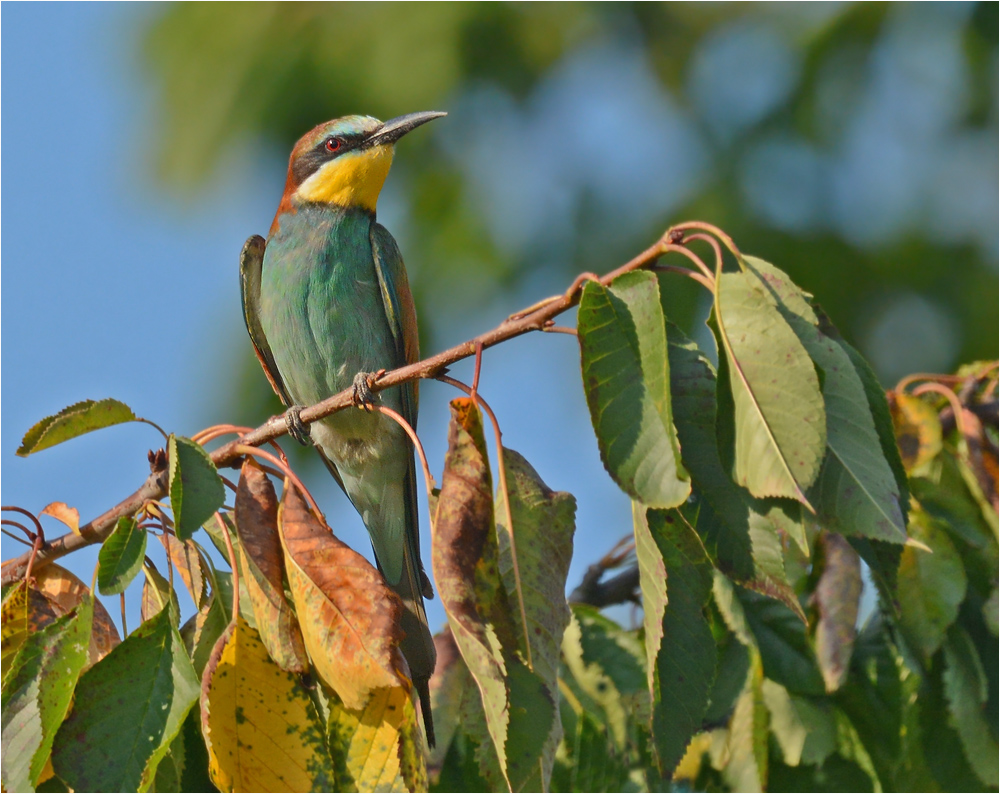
(402, 318)
(251, 261)
(399, 309)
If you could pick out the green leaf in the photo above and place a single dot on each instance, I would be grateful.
(592, 763)
(540, 540)
(932, 585)
(38, 692)
(874, 698)
(74, 421)
(604, 671)
(121, 556)
(147, 685)
(626, 378)
(881, 415)
(746, 738)
(740, 533)
(784, 648)
(779, 419)
(837, 597)
(806, 731)
(516, 709)
(676, 580)
(731, 672)
(196, 491)
(966, 689)
(856, 492)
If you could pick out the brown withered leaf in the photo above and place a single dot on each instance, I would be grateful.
(61, 511)
(66, 591)
(187, 562)
(350, 619)
(837, 597)
(918, 429)
(980, 457)
(516, 709)
(262, 567)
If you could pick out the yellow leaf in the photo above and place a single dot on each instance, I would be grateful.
(261, 728)
(25, 610)
(348, 615)
(377, 748)
(61, 511)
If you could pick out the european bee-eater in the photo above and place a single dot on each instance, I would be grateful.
(327, 302)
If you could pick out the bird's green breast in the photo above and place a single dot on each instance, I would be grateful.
(321, 306)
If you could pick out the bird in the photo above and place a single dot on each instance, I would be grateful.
(328, 306)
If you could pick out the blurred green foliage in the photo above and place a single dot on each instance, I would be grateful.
(854, 144)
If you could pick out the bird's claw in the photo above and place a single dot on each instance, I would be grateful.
(364, 397)
(297, 429)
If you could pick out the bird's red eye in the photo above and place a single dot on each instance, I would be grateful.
(332, 144)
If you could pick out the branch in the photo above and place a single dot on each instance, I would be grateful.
(538, 317)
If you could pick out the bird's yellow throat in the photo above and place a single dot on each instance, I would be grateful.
(352, 180)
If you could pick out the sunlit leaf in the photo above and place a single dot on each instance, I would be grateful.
(61, 511)
(676, 581)
(837, 597)
(187, 561)
(73, 421)
(25, 610)
(202, 630)
(95, 753)
(626, 378)
(369, 744)
(779, 418)
(543, 525)
(261, 727)
(931, 584)
(966, 689)
(38, 692)
(592, 762)
(121, 556)
(262, 567)
(157, 594)
(348, 615)
(516, 706)
(196, 491)
(805, 730)
(918, 429)
(746, 740)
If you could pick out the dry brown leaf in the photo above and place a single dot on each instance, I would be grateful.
(66, 591)
(350, 619)
(61, 511)
(262, 565)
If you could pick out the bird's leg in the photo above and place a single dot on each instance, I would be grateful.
(297, 429)
(364, 397)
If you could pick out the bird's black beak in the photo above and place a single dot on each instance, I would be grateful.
(396, 128)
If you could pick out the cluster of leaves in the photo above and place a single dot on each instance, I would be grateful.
(758, 488)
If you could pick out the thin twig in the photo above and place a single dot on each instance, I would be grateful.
(428, 477)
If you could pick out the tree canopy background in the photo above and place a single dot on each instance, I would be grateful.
(853, 144)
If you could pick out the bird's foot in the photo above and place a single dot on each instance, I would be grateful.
(364, 397)
(297, 429)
